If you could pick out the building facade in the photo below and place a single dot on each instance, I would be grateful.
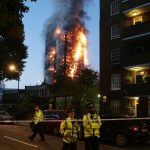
(2, 87)
(125, 57)
(11, 97)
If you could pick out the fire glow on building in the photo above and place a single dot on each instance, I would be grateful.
(66, 39)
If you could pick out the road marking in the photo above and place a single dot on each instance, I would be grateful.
(20, 141)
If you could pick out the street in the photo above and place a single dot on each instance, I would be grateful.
(15, 137)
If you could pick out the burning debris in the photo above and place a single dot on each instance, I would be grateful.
(66, 39)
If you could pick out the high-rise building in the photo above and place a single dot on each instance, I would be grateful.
(125, 57)
(68, 50)
(66, 39)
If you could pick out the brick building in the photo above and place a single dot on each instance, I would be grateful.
(125, 57)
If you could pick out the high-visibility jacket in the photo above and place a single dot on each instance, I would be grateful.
(91, 124)
(69, 129)
(38, 116)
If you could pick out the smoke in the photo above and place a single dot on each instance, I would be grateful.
(67, 12)
(69, 15)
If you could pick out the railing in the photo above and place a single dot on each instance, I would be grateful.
(137, 89)
(130, 4)
(136, 30)
(136, 59)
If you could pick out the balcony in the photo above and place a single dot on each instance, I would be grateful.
(136, 60)
(136, 31)
(137, 89)
(140, 5)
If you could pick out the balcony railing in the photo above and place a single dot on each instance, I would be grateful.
(137, 89)
(136, 59)
(130, 4)
(135, 31)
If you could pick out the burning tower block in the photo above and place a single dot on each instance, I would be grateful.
(66, 39)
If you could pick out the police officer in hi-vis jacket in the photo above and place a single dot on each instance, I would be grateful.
(91, 124)
(38, 118)
(69, 129)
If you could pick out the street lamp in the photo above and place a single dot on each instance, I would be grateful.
(98, 95)
(12, 68)
(99, 99)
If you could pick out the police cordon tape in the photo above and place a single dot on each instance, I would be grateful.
(77, 120)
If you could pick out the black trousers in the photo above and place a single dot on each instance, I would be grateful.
(70, 146)
(38, 129)
(92, 143)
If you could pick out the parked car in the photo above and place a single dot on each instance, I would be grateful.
(6, 117)
(52, 120)
(124, 130)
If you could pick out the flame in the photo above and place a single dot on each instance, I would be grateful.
(51, 53)
(58, 31)
(51, 58)
(79, 52)
(74, 43)
(51, 69)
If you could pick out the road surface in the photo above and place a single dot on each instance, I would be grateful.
(15, 137)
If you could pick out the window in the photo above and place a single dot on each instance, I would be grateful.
(115, 106)
(137, 20)
(115, 82)
(115, 7)
(115, 56)
(139, 77)
(115, 31)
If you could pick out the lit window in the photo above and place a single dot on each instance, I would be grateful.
(115, 82)
(115, 7)
(137, 20)
(115, 56)
(115, 31)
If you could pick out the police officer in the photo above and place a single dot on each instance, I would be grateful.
(91, 124)
(38, 118)
(69, 129)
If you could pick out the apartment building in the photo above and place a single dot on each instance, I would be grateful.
(125, 57)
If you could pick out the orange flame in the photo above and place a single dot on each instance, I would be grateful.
(75, 42)
(51, 58)
(79, 51)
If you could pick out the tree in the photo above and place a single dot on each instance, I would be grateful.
(27, 104)
(88, 82)
(83, 87)
(12, 48)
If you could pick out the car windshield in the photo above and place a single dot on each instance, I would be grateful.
(3, 113)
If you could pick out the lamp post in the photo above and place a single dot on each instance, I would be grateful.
(13, 69)
(99, 99)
